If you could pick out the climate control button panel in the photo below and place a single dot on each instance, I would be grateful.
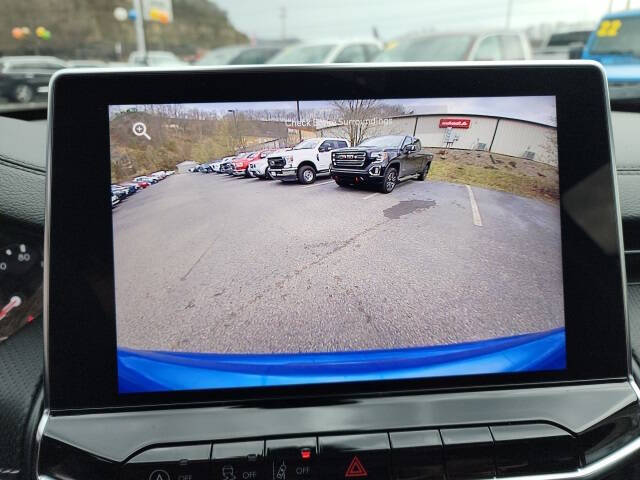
(430, 454)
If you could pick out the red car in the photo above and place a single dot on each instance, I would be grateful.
(241, 164)
(142, 184)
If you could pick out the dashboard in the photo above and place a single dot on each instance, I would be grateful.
(123, 404)
(574, 434)
(21, 265)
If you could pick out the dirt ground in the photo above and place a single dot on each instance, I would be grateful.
(498, 172)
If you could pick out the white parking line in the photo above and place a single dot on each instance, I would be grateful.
(370, 196)
(477, 220)
(318, 184)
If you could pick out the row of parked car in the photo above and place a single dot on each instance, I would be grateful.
(23, 78)
(384, 161)
(123, 190)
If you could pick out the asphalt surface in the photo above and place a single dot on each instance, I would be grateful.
(211, 263)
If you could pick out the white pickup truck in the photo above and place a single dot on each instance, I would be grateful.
(309, 158)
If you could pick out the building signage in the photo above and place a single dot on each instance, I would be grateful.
(455, 122)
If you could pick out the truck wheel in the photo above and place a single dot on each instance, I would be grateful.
(425, 172)
(306, 175)
(390, 180)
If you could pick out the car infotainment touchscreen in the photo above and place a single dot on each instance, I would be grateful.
(295, 242)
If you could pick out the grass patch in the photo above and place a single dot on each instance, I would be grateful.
(511, 180)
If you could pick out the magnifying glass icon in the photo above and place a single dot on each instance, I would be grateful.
(140, 130)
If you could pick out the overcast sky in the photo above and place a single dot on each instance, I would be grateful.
(535, 109)
(315, 19)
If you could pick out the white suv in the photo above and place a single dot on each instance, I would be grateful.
(306, 160)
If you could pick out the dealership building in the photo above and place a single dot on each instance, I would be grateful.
(506, 136)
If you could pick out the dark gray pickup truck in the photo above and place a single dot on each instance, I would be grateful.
(382, 161)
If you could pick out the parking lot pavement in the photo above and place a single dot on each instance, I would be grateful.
(210, 263)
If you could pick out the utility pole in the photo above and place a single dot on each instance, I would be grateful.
(283, 20)
(509, 10)
(610, 6)
(299, 128)
(141, 44)
(628, 5)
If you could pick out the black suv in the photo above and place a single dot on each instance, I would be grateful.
(382, 160)
(23, 78)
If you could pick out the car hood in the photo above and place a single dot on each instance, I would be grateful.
(301, 153)
(613, 58)
(627, 73)
(279, 153)
(367, 149)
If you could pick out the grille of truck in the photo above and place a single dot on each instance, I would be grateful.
(277, 162)
(349, 159)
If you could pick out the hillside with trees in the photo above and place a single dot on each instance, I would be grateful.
(88, 29)
(176, 136)
(183, 132)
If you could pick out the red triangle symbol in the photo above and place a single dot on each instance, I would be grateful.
(355, 469)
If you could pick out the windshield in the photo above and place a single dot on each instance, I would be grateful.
(387, 141)
(617, 36)
(565, 39)
(307, 144)
(303, 54)
(41, 37)
(427, 49)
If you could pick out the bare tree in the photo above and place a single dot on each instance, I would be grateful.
(361, 119)
(354, 118)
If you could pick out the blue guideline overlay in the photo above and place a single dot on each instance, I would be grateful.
(150, 371)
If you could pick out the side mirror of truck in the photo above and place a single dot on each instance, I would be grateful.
(324, 148)
(410, 148)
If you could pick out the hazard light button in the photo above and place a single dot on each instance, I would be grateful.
(355, 457)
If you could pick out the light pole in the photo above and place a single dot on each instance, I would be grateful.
(141, 44)
(283, 19)
(509, 10)
(235, 123)
(121, 15)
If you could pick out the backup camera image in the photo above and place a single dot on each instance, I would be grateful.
(303, 242)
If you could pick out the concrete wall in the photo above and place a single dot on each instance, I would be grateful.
(514, 138)
(480, 131)
(399, 126)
